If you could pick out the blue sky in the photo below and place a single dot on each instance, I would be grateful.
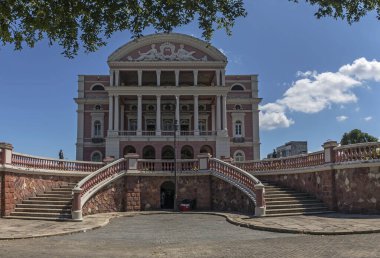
(280, 41)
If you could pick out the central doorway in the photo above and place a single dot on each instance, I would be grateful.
(167, 195)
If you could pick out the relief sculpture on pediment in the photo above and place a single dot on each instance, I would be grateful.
(167, 52)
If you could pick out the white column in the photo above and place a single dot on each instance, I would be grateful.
(218, 113)
(111, 77)
(195, 72)
(122, 116)
(158, 74)
(176, 72)
(139, 77)
(177, 113)
(158, 116)
(217, 74)
(196, 115)
(139, 115)
(213, 118)
(110, 113)
(117, 77)
(255, 132)
(117, 116)
(223, 77)
(224, 103)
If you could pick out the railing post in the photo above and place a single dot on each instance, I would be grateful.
(329, 151)
(203, 161)
(132, 160)
(76, 212)
(260, 208)
(6, 153)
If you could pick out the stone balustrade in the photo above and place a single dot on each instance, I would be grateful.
(357, 152)
(34, 162)
(162, 165)
(299, 161)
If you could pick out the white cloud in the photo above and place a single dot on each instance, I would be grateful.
(314, 92)
(368, 118)
(362, 69)
(341, 118)
(273, 116)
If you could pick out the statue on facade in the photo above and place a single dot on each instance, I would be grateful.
(60, 154)
(184, 55)
(151, 55)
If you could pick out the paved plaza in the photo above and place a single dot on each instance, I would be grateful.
(175, 235)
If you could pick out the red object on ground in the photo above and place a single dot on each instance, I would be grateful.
(184, 207)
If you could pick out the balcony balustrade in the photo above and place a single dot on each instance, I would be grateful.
(167, 133)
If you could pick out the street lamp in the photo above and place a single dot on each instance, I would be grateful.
(175, 164)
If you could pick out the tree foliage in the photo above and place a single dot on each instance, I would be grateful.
(356, 136)
(89, 23)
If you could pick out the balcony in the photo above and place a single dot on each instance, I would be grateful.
(238, 139)
(165, 133)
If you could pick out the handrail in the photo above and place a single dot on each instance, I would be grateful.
(36, 162)
(165, 165)
(98, 177)
(236, 176)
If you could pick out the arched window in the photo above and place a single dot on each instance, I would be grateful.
(96, 156)
(238, 107)
(98, 107)
(239, 156)
(97, 87)
(129, 149)
(238, 125)
(167, 152)
(237, 87)
(149, 152)
(97, 128)
(206, 149)
(187, 152)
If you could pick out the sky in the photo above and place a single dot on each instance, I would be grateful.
(317, 79)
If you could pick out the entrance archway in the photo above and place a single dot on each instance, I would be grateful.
(167, 195)
(129, 149)
(206, 149)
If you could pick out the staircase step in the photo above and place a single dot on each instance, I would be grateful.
(40, 214)
(294, 205)
(39, 201)
(279, 191)
(42, 198)
(38, 218)
(43, 210)
(270, 195)
(299, 213)
(44, 206)
(291, 201)
(54, 195)
(60, 191)
(290, 210)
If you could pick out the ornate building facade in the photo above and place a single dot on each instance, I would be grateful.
(160, 79)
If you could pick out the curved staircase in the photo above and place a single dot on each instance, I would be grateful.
(51, 205)
(282, 201)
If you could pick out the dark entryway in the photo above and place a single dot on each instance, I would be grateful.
(167, 195)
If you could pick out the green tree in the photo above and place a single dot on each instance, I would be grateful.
(89, 23)
(356, 136)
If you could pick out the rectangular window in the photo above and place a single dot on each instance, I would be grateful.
(132, 125)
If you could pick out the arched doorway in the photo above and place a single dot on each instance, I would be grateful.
(149, 152)
(206, 149)
(129, 149)
(167, 195)
(167, 152)
(187, 152)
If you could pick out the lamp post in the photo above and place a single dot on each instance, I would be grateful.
(175, 164)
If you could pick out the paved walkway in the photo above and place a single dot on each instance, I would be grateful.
(329, 224)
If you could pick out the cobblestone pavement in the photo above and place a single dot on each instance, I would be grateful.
(189, 235)
(323, 224)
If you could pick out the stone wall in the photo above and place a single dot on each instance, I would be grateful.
(17, 187)
(226, 197)
(135, 193)
(108, 199)
(351, 190)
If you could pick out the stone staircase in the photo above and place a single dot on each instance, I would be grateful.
(51, 205)
(282, 201)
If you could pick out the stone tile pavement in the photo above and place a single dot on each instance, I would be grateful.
(328, 224)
